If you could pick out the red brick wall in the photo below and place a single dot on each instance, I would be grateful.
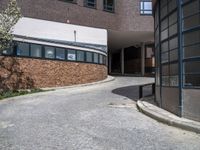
(17, 73)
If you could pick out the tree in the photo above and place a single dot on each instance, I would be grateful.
(8, 18)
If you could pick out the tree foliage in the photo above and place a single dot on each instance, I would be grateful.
(8, 18)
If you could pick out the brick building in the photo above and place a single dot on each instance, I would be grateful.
(128, 50)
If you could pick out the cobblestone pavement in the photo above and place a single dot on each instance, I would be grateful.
(97, 117)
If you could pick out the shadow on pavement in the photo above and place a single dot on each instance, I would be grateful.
(132, 92)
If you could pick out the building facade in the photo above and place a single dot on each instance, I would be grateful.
(177, 44)
(129, 26)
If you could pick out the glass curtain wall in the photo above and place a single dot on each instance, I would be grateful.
(177, 46)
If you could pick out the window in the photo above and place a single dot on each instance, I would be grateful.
(192, 73)
(49, 52)
(71, 55)
(22, 49)
(101, 59)
(88, 57)
(192, 51)
(80, 56)
(104, 60)
(90, 3)
(60, 53)
(191, 38)
(36, 50)
(191, 44)
(165, 81)
(146, 7)
(8, 51)
(109, 5)
(54, 53)
(71, 1)
(96, 58)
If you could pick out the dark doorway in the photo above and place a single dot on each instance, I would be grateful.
(132, 60)
(116, 62)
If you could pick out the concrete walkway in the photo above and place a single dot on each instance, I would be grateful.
(96, 117)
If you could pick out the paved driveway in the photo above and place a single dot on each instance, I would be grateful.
(83, 119)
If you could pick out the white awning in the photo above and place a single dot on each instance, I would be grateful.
(54, 31)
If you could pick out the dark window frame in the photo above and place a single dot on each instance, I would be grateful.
(88, 4)
(191, 58)
(108, 8)
(143, 10)
(54, 48)
(15, 45)
(70, 1)
(31, 50)
(28, 50)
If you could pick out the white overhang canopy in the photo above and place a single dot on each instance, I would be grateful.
(60, 32)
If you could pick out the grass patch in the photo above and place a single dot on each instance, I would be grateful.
(8, 94)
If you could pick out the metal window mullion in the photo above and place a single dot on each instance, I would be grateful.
(160, 64)
(180, 55)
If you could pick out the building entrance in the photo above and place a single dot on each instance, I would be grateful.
(134, 60)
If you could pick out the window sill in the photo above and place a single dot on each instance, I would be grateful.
(68, 1)
(146, 14)
(109, 11)
(90, 7)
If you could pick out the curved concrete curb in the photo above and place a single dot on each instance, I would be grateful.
(166, 117)
(108, 79)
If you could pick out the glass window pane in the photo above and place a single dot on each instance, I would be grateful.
(165, 57)
(191, 8)
(148, 5)
(174, 69)
(36, 50)
(60, 53)
(101, 59)
(173, 55)
(173, 18)
(172, 5)
(164, 34)
(80, 56)
(141, 6)
(164, 24)
(192, 51)
(191, 22)
(164, 46)
(104, 60)
(163, 11)
(71, 55)
(49, 52)
(22, 49)
(90, 3)
(96, 58)
(192, 67)
(191, 38)
(147, 12)
(89, 56)
(173, 43)
(192, 80)
(173, 29)
(174, 80)
(109, 5)
(165, 70)
(165, 81)
(163, 2)
(8, 51)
